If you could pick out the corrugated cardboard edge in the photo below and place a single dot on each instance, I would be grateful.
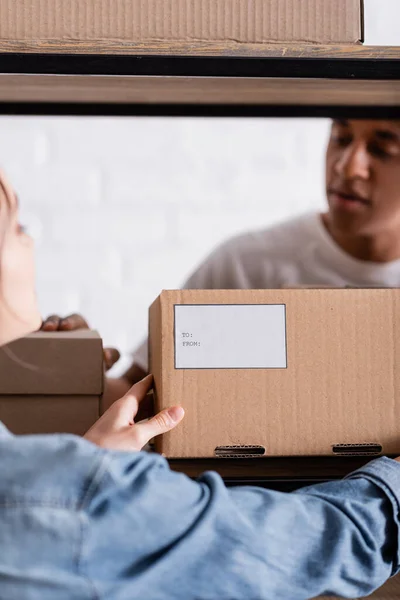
(255, 21)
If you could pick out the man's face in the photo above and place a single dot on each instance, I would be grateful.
(363, 176)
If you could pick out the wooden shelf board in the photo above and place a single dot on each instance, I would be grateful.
(96, 89)
(223, 48)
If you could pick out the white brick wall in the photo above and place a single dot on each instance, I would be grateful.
(123, 207)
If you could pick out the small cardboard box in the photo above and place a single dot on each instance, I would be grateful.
(295, 372)
(51, 382)
(38, 24)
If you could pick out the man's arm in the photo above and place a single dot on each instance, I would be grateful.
(166, 536)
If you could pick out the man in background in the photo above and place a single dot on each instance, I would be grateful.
(356, 242)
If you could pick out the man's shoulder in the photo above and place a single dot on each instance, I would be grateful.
(283, 237)
(253, 259)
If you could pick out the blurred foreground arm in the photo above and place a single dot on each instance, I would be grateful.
(170, 537)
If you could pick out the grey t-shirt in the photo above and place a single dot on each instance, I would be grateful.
(296, 252)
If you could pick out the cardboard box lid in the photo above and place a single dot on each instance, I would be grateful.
(339, 382)
(53, 363)
(242, 21)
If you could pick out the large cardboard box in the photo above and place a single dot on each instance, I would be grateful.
(46, 25)
(51, 382)
(295, 372)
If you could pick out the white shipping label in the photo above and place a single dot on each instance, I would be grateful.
(230, 336)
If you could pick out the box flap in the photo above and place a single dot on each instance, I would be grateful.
(45, 363)
(241, 21)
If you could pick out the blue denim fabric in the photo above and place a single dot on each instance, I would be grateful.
(80, 522)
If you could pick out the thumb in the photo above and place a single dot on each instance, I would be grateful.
(111, 356)
(164, 421)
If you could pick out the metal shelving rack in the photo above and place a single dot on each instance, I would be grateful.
(299, 80)
(213, 80)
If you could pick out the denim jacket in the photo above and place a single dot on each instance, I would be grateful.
(80, 522)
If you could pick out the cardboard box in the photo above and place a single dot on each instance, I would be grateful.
(295, 372)
(144, 21)
(51, 382)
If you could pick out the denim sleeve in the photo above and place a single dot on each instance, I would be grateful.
(152, 533)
